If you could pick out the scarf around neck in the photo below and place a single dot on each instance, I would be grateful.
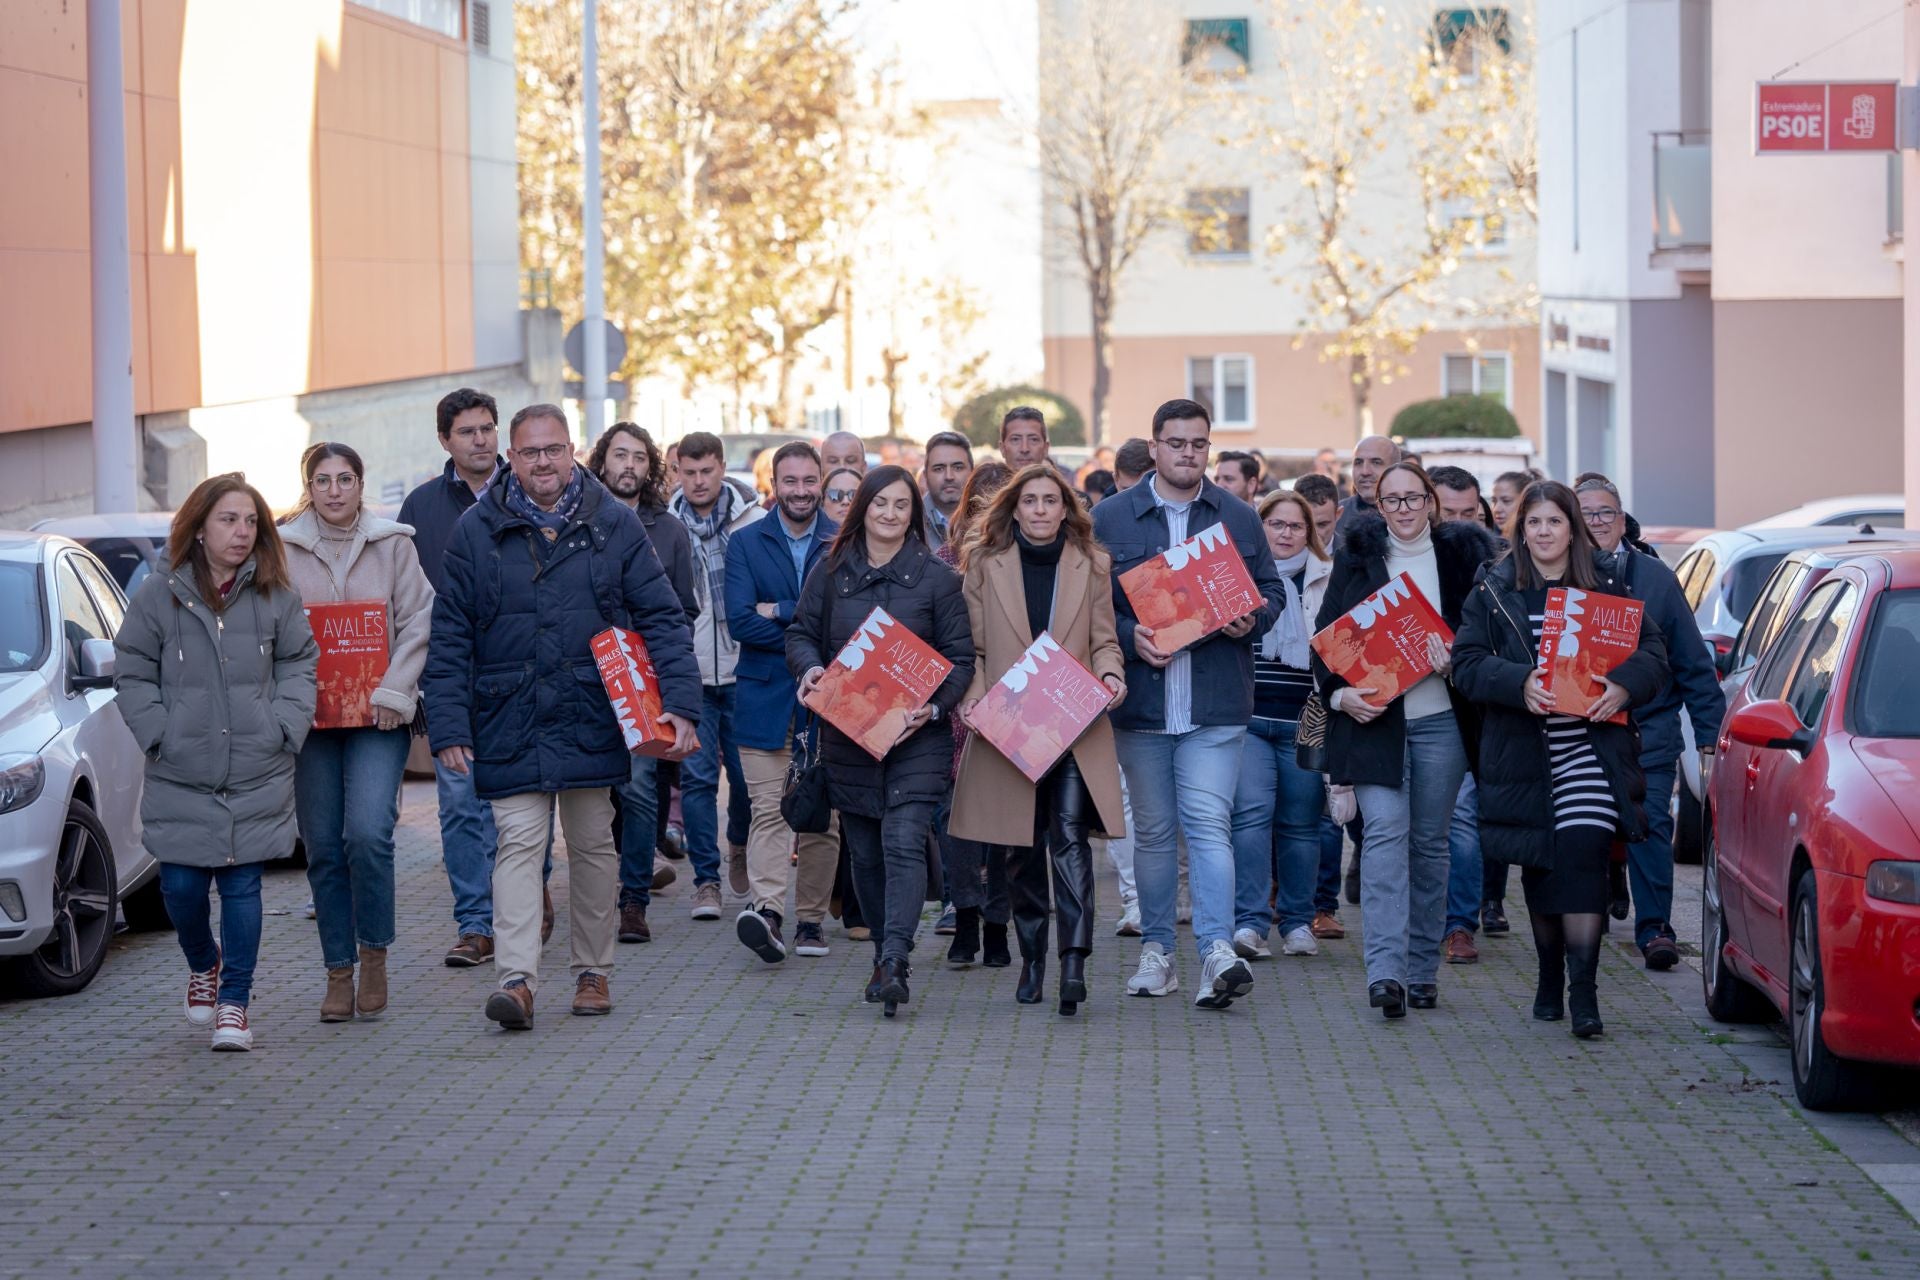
(518, 502)
(1289, 641)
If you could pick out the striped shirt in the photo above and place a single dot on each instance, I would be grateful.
(1280, 691)
(1582, 796)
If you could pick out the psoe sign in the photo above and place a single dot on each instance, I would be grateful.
(1797, 117)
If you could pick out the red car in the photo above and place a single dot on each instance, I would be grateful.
(1812, 863)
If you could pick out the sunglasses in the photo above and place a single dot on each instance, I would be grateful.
(840, 495)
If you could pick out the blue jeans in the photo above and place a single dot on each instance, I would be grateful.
(1183, 784)
(1650, 861)
(1464, 872)
(1277, 811)
(185, 891)
(1326, 888)
(639, 802)
(1403, 877)
(346, 792)
(467, 844)
(700, 785)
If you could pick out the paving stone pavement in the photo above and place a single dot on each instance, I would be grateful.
(732, 1118)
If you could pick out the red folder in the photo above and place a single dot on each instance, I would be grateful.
(1583, 637)
(1380, 645)
(352, 635)
(627, 672)
(883, 675)
(1040, 707)
(1192, 589)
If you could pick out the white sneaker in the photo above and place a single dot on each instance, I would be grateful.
(1155, 975)
(1249, 945)
(309, 911)
(1224, 977)
(1299, 942)
(203, 989)
(231, 1034)
(706, 902)
(1129, 923)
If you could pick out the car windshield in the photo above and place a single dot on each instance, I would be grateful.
(1745, 579)
(127, 559)
(1886, 698)
(23, 618)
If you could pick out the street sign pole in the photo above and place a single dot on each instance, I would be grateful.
(1910, 268)
(593, 367)
(116, 453)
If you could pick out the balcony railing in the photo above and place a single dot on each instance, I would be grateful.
(1682, 190)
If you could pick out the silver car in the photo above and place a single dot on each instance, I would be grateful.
(70, 773)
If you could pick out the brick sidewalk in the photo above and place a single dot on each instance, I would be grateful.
(732, 1119)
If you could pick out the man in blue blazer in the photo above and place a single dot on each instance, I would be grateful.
(766, 563)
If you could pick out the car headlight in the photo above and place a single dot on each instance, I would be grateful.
(1894, 882)
(21, 778)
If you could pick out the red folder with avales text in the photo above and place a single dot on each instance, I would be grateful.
(1192, 589)
(1036, 711)
(1583, 637)
(1380, 645)
(352, 635)
(884, 674)
(627, 672)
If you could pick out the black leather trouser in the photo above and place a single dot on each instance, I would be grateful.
(1062, 816)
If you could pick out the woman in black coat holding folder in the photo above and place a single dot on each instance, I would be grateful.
(880, 560)
(1555, 790)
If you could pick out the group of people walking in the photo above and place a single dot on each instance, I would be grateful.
(1240, 763)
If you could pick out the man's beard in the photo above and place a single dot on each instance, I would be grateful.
(803, 515)
(624, 484)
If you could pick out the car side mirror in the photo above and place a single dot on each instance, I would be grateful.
(1770, 726)
(96, 666)
(1723, 663)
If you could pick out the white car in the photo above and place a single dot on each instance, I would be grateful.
(1875, 510)
(70, 773)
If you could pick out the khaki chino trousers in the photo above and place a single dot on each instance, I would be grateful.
(593, 881)
(771, 842)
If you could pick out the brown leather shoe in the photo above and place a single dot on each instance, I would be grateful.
(1459, 948)
(512, 1007)
(337, 1004)
(633, 924)
(371, 998)
(472, 949)
(546, 915)
(737, 870)
(590, 997)
(1327, 925)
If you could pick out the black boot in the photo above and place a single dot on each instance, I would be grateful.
(1389, 997)
(874, 983)
(1073, 982)
(966, 937)
(893, 985)
(1549, 993)
(994, 953)
(1619, 900)
(1583, 994)
(1033, 976)
(1493, 917)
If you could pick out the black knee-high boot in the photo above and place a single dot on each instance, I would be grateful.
(1583, 968)
(1550, 944)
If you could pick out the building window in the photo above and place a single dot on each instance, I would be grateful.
(1482, 232)
(1461, 37)
(1224, 384)
(1475, 375)
(1219, 224)
(441, 16)
(1217, 47)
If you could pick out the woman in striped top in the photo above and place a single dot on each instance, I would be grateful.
(1556, 790)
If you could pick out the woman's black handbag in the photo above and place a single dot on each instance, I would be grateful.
(1310, 739)
(804, 802)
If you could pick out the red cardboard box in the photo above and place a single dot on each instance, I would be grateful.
(1583, 637)
(352, 635)
(627, 672)
(1380, 645)
(1040, 707)
(883, 675)
(1192, 589)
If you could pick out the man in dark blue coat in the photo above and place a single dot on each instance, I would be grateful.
(544, 561)
(1696, 686)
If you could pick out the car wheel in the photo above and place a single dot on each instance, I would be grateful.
(1729, 997)
(145, 909)
(1822, 1081)
(85, 897)
(1688, 827)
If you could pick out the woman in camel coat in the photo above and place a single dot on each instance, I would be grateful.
(1035, 567)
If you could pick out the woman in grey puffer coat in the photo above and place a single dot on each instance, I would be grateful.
(215, 674)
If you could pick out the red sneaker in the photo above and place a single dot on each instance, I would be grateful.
(202, 988)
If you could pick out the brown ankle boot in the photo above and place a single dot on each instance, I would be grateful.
(373, 981)
(338, 1004)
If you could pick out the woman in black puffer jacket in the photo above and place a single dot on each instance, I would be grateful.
(880, 560)
(1555, 790)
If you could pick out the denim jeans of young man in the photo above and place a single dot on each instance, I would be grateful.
(346, 792)
(1326, 888)
(1403, 877)
(185, 891)
(700, 785)
(1650, 861)
(467, 844)
(890, 872)
(639, 806)
(1464, 872)
(1183, 783)
(1277, 809)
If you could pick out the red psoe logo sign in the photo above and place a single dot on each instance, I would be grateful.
(1799, 117)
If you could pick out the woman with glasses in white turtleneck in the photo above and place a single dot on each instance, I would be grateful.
(1405, 759)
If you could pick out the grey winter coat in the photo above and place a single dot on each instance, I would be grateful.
(220, 703)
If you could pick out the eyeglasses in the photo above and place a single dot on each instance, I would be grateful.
(1403, 502)
(346, 483)
(840, 495)
(551, 452)
(1602, 515)
(1286, 526)
(1199, 445)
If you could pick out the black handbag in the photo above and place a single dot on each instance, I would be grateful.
(1310, 739)
(803, 802)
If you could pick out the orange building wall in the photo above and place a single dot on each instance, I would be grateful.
(298, 203)
(1300, 400)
